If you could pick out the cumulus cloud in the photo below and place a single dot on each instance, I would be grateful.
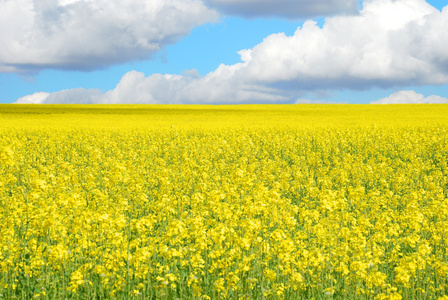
(390, 43)
(284, 8)
(91, 34)
(218, 87)
(36, 98)
(224, 85)
(78, 95)
(410, 97)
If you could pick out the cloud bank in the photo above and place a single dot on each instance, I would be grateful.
(292, 9)
(36, 98)
(308, 101)
(410, 97)
(219, 87)
(390, 43)
(91, 34)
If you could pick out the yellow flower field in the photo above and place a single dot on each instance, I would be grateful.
(224, 202)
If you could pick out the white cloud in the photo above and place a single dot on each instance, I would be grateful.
(410, 97)
(36, 98)
(91, 34)
(390, 43)
(220, 86)
(78, 95)
(308, 101)
(284, 8)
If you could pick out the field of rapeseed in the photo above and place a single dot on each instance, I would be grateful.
(237, 202)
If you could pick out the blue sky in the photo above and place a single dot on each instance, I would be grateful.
(389, 51)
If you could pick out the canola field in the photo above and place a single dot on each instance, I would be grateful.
(224, 202)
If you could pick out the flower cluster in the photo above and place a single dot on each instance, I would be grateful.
(286, 212)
